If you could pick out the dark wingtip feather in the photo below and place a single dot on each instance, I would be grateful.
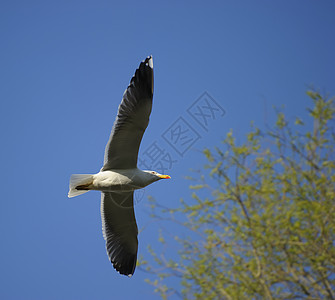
(125, 264)
(149, 61)
(122, 261)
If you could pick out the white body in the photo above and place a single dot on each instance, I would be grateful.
(121, 180)
(124, 180)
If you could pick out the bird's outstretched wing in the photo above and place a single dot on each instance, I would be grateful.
(120, 230)
(131, 121)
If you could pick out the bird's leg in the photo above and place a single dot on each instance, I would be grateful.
(85, 187)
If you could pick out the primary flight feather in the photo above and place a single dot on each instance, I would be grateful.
(119, 176)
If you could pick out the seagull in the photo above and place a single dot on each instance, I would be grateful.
(119, 177)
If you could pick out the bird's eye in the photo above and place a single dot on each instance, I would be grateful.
(153, 172)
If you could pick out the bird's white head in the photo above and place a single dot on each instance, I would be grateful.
(154, 176)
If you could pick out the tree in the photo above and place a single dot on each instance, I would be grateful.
(262, 222)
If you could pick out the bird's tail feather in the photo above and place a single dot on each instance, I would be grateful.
(80, 184)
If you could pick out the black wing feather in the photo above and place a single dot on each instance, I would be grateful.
(120, 230)
(131, 121)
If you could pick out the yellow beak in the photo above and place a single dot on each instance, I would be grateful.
(164, 176)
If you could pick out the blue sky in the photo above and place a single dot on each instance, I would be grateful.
(64, 67)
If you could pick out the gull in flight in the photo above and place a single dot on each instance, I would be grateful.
(119, 176)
